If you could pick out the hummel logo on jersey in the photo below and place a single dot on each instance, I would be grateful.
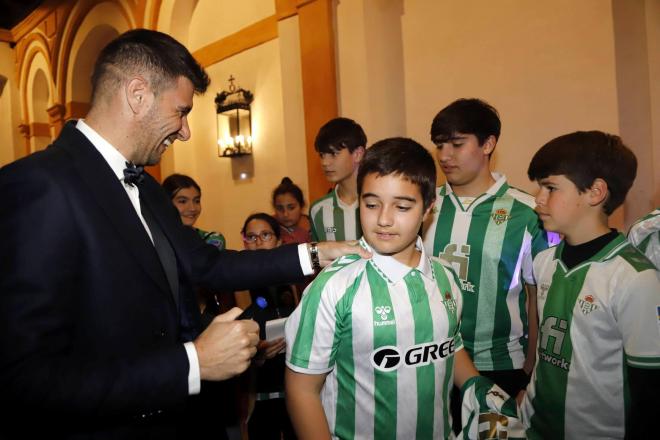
(500, 216)
(382, 312)
(389, 357)
(330, 229)
(587, 304)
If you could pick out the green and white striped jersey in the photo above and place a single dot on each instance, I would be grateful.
(594, 319)
(385, 334)
(645, 235)
(333, 220)
(491, 244)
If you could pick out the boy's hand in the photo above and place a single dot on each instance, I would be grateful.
(520, 397)
(329, 250)
(269, 349)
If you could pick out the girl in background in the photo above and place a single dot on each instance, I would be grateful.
(266, 411)
(187, 197)
(289, 202)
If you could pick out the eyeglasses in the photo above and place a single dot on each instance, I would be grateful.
(264, 237)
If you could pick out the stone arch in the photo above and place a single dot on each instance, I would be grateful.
(79, 87)
(89, 24)
(39, 100)
(174, 18)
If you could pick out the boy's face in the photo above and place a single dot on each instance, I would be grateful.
(560, 205)
(391, 213)
(339, 165)
(462, 159)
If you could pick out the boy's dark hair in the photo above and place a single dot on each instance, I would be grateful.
(585, 156)
(402, 157)
(287, 186)
(466, 116)
(272, 221)
(157, 56)
(340, 133)
(176, 182)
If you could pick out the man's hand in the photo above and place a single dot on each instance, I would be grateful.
(329, 250)
(226, 346)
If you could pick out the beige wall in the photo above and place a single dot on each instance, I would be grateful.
(11, 142)
(548, 67)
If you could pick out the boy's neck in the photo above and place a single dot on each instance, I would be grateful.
(587, 229)
(409, 257)
(347, 190)
(475, 187)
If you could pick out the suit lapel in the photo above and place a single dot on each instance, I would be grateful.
(112, 199)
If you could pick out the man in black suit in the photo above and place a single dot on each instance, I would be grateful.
(99, 327)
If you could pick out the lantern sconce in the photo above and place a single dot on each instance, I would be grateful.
(234, 121)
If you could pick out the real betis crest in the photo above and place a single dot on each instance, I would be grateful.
(587, 305)
(500, 216)
(449, 302)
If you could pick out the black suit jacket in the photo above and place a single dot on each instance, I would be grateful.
(91, 334)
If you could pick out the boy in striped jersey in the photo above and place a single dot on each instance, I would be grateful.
(374, 346)
(341, 143)
(598, 369)
(490, 233)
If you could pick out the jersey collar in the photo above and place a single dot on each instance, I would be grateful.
(608, 252)
(496, 189)
(392, 270)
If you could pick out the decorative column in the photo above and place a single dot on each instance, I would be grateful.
(56, 118)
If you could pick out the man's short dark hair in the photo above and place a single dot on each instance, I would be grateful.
(340, 133)
(401, 157)
(585, 156)
(157, 56)
(466, 116)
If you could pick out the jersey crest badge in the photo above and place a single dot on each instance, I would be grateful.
(587, 304)
(500, 216)
(449, 302)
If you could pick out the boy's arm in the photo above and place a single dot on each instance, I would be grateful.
(463, 368)
(532, 328)
(303, 401)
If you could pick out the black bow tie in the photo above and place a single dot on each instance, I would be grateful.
(133, 175)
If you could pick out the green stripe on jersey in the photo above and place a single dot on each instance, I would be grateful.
(310, 305)
(419, 302)
(385, 382)
(444, 287)
(444, 227)
(343, 340)
(555, 351)
(489, 291)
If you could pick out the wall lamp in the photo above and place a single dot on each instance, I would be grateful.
(234, 121)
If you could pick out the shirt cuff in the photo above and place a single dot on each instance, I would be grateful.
(194, 380)
(305, 261)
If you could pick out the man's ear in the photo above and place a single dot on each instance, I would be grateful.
(489, 145)
(598, 192)
(137, 94)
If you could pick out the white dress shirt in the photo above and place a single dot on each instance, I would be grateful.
(117, 163)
